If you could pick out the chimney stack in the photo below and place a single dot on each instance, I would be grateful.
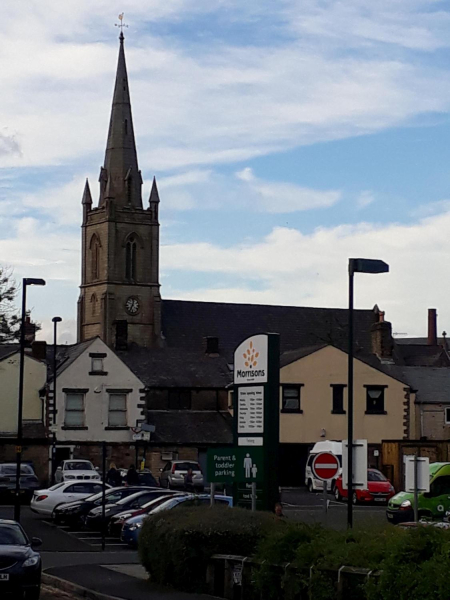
(212, 346)
(39, 350)
(432, 327)
(30, 331)
(382, 342)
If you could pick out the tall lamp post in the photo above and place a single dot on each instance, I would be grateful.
(55, 321)
(355, 265)
(25, 282)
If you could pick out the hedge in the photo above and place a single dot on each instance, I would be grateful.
(175, 548)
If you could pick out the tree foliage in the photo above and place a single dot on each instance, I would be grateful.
(9, 316)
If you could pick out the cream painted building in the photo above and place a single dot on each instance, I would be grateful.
(98, 397)
(313, 403)
(35, 376)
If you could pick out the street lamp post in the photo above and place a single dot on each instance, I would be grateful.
(355, 265)
(25, 282)
(55, 321)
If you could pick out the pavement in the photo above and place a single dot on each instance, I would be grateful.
(76, 556)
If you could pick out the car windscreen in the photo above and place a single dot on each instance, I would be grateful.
(56, 486)
(375, 476)
(165, 506)
(12, 535)
(11, 470)
(185, 466)
(129, 498)
(78, 466)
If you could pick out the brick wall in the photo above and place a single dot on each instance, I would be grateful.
(37, 454)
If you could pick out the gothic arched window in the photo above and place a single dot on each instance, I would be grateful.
(130, 269)
(95, 257)
(94, 305)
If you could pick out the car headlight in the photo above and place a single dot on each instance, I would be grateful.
(69, 476)
(107, 511)
(124, 517)
(31, 562)
(405, 504)
(135, 526)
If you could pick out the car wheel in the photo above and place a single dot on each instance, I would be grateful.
(337, 495)
(310, 486)
(33, 594)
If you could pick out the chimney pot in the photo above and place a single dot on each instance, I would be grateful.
(432, 327)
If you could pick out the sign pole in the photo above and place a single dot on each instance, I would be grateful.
(416, 491)
(253, 495)
(325, 502)
(213, 491)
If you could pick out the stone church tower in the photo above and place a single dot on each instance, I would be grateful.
(120, 299)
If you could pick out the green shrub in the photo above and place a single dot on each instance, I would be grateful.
(175, 546)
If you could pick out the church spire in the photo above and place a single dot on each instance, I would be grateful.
(121, 164)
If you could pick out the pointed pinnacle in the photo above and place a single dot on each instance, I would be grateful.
(154, 195)
(109, 190)
(87, 198)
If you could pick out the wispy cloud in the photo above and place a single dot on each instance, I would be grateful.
(365, 198)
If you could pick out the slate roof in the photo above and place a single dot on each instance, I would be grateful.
(199, 428)
(185, 324)
(8, 349)
(289, 357)
(65, 356)
(432, 384)
(421, 355)
(176, 367)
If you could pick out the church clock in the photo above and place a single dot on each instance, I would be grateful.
(132, 305)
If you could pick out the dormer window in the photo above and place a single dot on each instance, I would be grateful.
(97, 364)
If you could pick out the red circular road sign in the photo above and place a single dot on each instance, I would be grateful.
(325, 466)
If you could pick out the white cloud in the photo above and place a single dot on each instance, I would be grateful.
(295, 269)
(280, 197)
(365, 198)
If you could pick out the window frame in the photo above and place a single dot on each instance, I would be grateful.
(382, 389)
(337, 386)
(291, 386)
(73, 392)
(111, 394)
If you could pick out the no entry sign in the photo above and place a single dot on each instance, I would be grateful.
(325, 466)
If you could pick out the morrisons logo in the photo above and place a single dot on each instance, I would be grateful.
(251, 373)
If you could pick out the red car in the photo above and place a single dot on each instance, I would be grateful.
(380, 489)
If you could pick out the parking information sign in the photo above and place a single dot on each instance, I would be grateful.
(325, 466)
(235, 465)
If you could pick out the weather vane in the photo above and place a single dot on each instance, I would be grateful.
(121, 24)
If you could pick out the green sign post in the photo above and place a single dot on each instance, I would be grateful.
(253, 461)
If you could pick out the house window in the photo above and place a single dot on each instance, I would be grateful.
(375, 400)
(74, 415)
(337, 399)
(131, 259)
(447, 415)
(117, 414)
(179, 399)
(291, 398)
(97, 365)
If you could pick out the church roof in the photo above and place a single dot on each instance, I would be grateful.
(185, 324)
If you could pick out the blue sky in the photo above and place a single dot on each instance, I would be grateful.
(285, 137)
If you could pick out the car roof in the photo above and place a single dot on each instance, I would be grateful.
(9, 522)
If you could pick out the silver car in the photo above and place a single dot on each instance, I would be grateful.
(174, 473)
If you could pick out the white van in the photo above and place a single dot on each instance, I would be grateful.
(335, 448)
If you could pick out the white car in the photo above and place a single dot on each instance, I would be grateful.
(76, 469)
(44, 502)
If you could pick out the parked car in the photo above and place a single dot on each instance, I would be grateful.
(28, 480)
(173, 474)
(74, 513)
(335, 448)
(431, 505)
(132, 527)
(76, 469)
(116, 522)
(145, 477)
(94, 519)
(379, 489)
(20, 564)
(44, 502)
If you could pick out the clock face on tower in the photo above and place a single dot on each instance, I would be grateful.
(132, 305)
